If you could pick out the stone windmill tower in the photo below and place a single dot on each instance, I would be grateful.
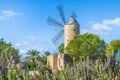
(69, 28)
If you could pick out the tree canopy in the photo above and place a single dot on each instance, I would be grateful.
(46, 53)
(61, 48)
(84, 45)
(43, 58)
(33, 53)
(7, 52)
(113, 45)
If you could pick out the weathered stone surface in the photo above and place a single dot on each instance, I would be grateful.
(58, 61)
(33, 74)
(118, 77)
(71, 29)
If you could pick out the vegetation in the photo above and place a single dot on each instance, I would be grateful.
(43, 58)
(113, 45)
(61, 48)
(33, 54)
(8, 56)
(80, 48)
(81, 70)
(7, 52)
(84, 45)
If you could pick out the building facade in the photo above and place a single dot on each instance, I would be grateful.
(71, 29)
(58, 61)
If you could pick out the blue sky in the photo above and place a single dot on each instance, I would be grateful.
(24, 22)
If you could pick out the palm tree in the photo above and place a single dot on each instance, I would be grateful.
(61, 48)
(46, 53)
(43, 58)
(33, 54)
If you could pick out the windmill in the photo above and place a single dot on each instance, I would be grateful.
(69, 28)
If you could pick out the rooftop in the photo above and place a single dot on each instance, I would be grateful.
(72, 20)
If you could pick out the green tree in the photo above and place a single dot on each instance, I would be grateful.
(8, 54)
(113, 45)
(46, 53)
(61, 48)
(84, 45)
(33, 54)
(43, 58)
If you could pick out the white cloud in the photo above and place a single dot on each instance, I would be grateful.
(8, 13)
(103, 27)
(42, 49)
(19, 44)
(25, 42)
(98, 32)
(115, 22)
(103, 33)
(22, 52)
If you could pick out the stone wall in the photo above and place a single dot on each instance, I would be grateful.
(58, 61)
(50, 60)
(55, 61)
(69, 32)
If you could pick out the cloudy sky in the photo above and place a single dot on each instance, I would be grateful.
(24, 22)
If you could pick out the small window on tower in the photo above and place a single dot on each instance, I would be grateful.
(73, 29)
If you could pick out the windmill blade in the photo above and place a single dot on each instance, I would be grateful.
(61, 13)
(57, 37)
(74, 14)
(54, 22)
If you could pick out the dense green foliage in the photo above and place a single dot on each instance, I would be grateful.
(43, 58)
(33, 53)
(46, 53)
(81, 70)
(33, 58)
(84, 45)
(7, 52)
(8, 56)
(113, 45)
(61, 48)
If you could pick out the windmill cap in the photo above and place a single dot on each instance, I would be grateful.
(72, 20)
